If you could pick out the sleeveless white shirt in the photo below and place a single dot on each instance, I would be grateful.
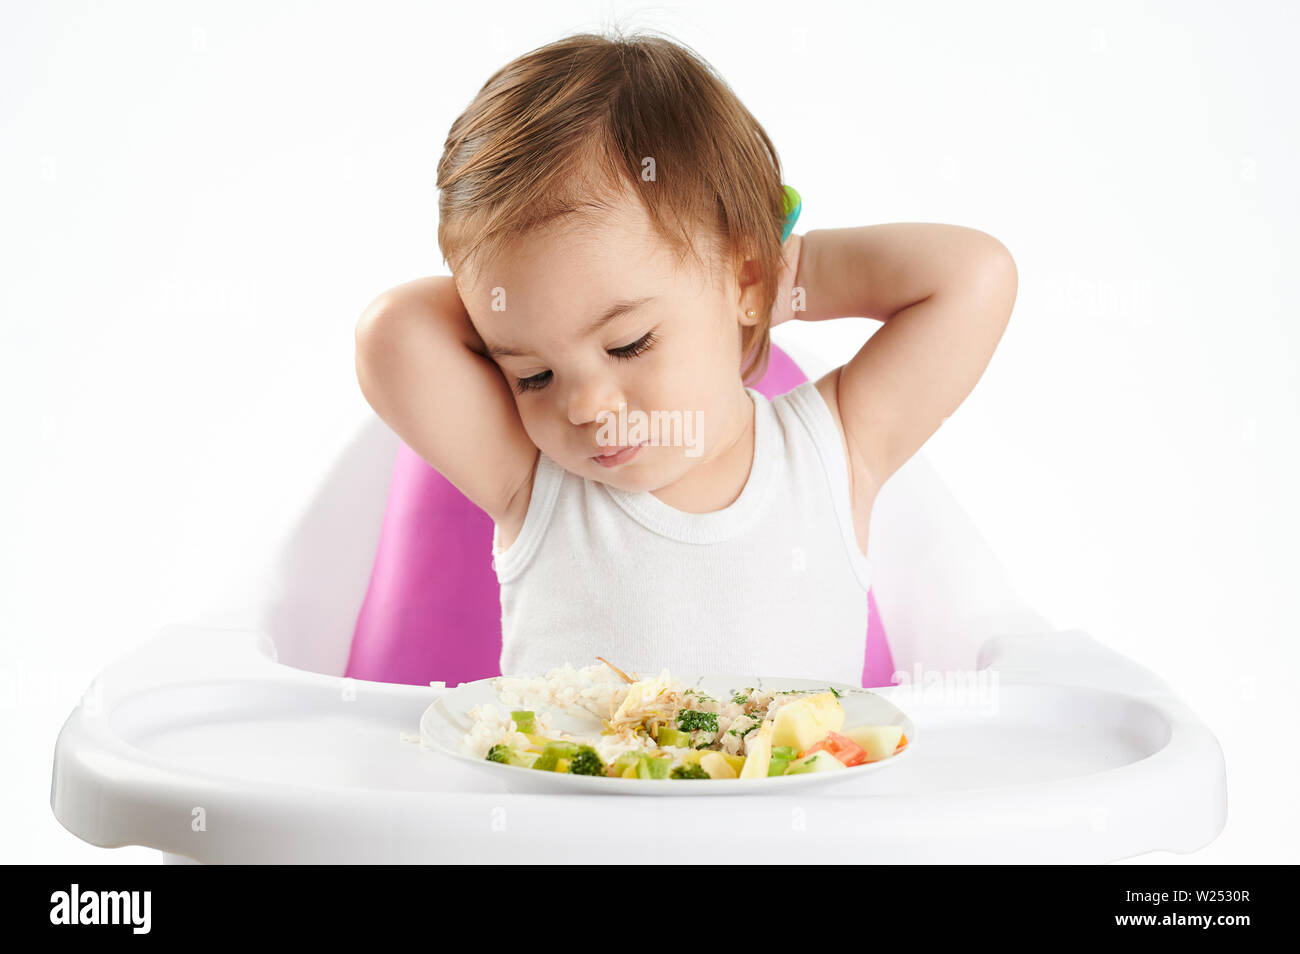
(772, 585)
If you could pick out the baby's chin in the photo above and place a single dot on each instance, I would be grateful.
(635, 476)
(653, 468)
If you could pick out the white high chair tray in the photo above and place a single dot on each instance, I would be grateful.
(201, 745)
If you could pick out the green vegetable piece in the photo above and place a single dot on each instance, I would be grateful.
(670, 736)
(651, 767)
(551, 755)
(546, 762)
(787, 752)
(688, 770)
(508, 756)
(777, 766)
(524, 721)
(623, 761)
(586, 762)
(820, 761)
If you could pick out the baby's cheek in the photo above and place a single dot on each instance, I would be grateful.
(534, 425)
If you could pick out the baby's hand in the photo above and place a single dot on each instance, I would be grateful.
(783, 306)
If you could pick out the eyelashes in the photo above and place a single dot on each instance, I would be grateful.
(626, 353)
(640, 346)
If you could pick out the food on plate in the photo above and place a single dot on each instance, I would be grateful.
(758, 760)
(877, 741)
(658, 728)
(807, 720)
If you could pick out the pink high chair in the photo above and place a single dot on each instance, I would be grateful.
(433, 608)
(288, 710)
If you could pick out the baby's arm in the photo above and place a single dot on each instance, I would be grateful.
(420, 365)
(944, 293)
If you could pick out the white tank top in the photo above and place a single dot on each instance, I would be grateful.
(772, 585)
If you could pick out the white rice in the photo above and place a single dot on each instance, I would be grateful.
(590, 689)
(492, 726)
(610, 747)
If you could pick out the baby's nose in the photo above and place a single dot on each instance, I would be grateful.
(590, 404)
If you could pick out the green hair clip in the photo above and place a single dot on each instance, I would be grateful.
(793, 205)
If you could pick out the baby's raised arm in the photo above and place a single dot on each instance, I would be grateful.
(421, 366)
(945, 294)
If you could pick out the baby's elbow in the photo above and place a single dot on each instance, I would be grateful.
(373, 339)
(373, 323)
(997, 269)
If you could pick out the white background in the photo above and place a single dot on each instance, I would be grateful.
(198, 199)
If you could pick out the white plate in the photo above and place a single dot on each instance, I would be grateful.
(446, 722)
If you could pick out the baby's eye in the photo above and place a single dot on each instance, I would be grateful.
(640, 346)
(535, 383)
(637, 347)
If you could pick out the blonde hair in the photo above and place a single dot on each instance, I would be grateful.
(566, 128)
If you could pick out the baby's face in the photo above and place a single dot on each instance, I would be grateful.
(597, 329)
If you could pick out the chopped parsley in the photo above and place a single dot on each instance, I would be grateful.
(695, 720)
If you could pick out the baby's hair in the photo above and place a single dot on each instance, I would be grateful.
(565, 129)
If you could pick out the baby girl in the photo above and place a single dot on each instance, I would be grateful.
(613, 218)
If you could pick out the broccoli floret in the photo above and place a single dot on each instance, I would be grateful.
(586, 762)
(507, 756)
(688, 770)
(695, 720)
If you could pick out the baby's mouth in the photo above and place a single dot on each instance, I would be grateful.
(617, 455)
